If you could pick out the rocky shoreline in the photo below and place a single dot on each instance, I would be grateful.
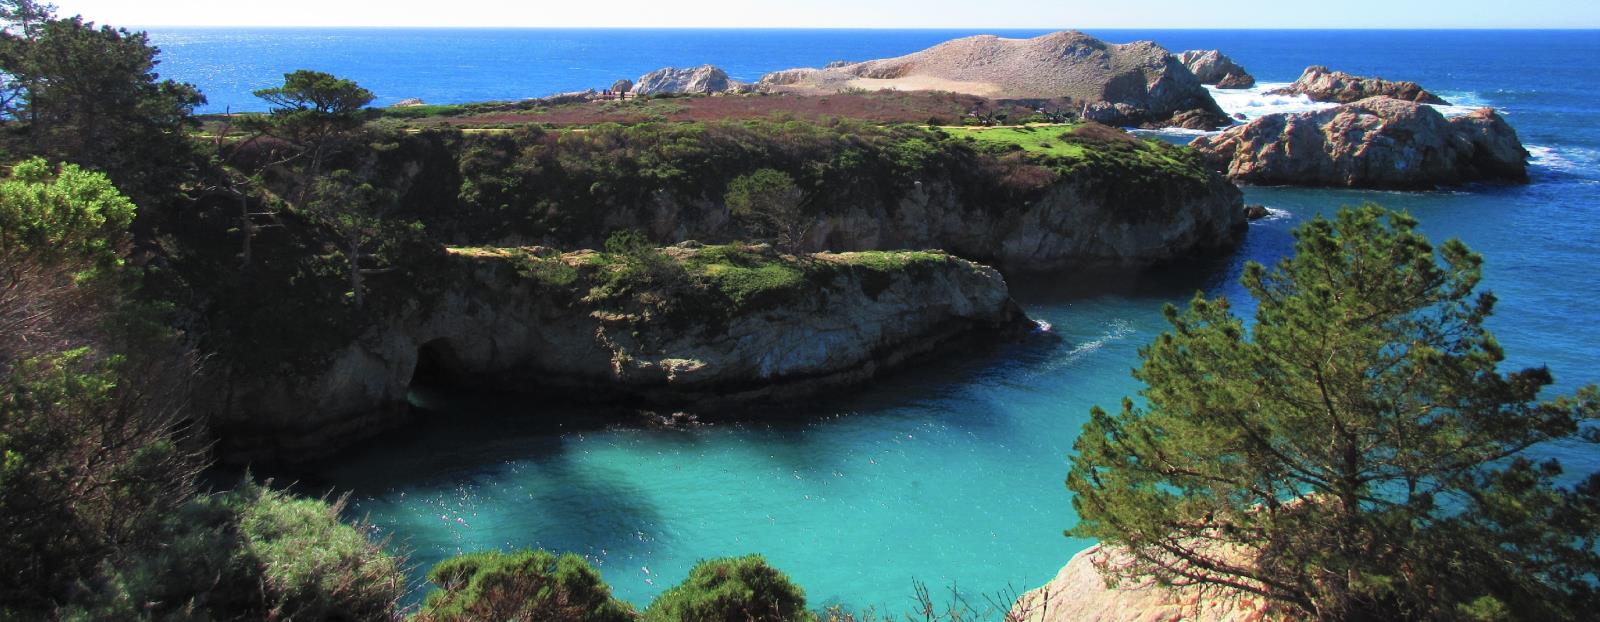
(528, 320)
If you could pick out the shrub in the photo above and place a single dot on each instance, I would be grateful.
(526, 585)
(741, 589)
(253, 553)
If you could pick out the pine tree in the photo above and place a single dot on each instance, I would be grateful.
(1354, 454)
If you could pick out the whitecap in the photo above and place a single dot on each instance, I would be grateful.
(1571, 160)
(1254, 103)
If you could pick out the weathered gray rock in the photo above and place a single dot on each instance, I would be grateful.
(1213, 67)
(408, 103)
(1080, 594)
(704, 79)
(570, 97)
(621, 86)
(1132, 84)
(1323, 85)
(1375, 143)
(496, 325)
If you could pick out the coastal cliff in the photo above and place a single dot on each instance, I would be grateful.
(1136, 83)
(1029, 199)
(1379, 142)
(687, 325)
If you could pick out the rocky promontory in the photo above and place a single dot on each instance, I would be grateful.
(1131, 84)
(1379, 142)
(1324, 85)
(1215, 68)
(685, 326)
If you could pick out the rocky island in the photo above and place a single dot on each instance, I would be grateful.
(1379, 142)
(1137, 84)
(1215, 68)
(1324, 85)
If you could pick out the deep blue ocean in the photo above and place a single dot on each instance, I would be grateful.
(950, 474)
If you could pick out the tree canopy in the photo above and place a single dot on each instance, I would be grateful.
(90, 95)
(1353, 454)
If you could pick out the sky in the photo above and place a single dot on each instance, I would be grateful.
(966, 14)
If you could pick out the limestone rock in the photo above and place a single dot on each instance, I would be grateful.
(702, 79)
(1139, 83)
(1213, 67)
(1323, 85)
(1374, 143)
(1080, 594)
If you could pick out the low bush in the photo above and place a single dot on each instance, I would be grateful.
(526, 585)
(739, 589)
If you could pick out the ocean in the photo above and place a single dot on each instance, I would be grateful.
(950, 474)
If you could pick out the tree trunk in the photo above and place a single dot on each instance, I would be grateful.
(353, 253)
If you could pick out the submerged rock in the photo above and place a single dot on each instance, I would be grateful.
(1256, 212)
(704, 79)
(1324, 85)
(1375, 143)
(1137, 83)
(701, 327)
(1214, 67)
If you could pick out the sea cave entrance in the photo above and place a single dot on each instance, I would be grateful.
(437, 365)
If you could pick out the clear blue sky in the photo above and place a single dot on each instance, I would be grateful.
(1034, 14)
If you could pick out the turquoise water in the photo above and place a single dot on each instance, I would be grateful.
(950, 474)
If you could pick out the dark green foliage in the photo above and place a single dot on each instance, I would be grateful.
(741, 589)
(1356, 448)
(92, 455)
(770, 204)
(523, 586)
(250, 554)
(90, 95)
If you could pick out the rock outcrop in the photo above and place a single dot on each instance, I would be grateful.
(1379, 142)
(622, 86)
(1323, 85)
(1132, 84)
(704, 79)
(409, 103)
(1214, 67)
(573, 325)
(1080, 594)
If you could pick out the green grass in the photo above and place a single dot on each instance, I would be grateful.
(1040, 139)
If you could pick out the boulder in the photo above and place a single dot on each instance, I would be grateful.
(1323, 85)
(1137, 83)
(704, 79)
(621, 86)
(1213, 67)
(1379, 142)
(1256, 211)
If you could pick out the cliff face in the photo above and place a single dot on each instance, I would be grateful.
(688, 325)
(1375, 143)
(1076, 223)
(1130, 84)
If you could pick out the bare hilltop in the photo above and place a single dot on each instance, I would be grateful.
(1137, 83)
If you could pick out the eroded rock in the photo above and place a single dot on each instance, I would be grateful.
(1324, 85)
(1379, 142)
(1214, 67)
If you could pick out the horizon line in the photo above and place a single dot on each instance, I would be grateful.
(866, 28)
